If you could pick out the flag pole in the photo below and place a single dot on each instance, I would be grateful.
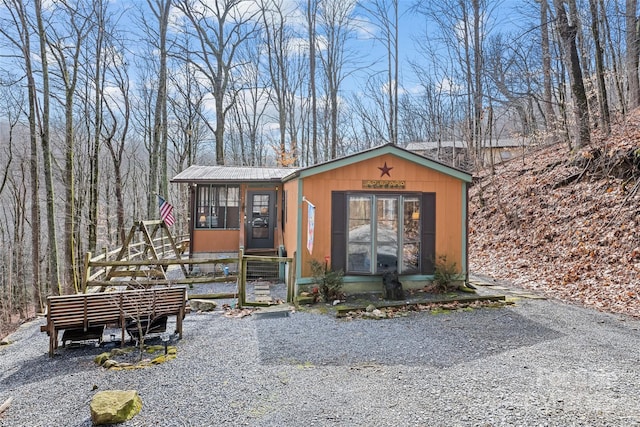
(304, 199)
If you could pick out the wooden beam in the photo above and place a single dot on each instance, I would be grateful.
(145, 283)
(213, 296)
(164, 262)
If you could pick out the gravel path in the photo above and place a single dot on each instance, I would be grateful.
(538, 362)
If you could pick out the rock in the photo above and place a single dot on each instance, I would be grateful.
(203, 304)
(5, 341)
(379, 314)
(109, 363)
(370, 308)
(114, 406)
(101, 358)
(306, 299)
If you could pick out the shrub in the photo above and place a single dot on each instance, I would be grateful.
(446, 276)
(329, 282)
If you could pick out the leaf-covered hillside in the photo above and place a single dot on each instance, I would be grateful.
(566, 224)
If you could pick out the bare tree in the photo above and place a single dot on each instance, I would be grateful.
(45, 141)
(336, 28)
(285, 76)
(248, 114)
(310, 12)
(568, 35)
(463, 26)
(116, 133)
(18, 19)
(97, 85)
(549, 114)
(12, 103)
(385, 14)
(633, 52)
(186, 104)
(613, 55)
(603, 102)
(221, 29)
(158, 180)
(66, 49)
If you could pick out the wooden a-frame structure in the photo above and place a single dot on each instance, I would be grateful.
(148, 252)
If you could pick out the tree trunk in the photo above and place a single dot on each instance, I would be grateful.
(311, 22)
(94, 152)
(550, 117)
(581, 108)
(611, 49)
(633, 51)
(478, 90)
(603, 103)
(158, 181)
(54, 268)
(33, 157)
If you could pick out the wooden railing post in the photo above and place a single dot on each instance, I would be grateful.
(291, 279)
(242, 278)
(87, 272)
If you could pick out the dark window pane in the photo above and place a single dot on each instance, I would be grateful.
(212, 206)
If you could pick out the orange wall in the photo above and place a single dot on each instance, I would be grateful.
(215, 240)
(418, 178)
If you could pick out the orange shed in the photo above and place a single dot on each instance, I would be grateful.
(382, 209)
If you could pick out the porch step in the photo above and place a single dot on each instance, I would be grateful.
(261, 252)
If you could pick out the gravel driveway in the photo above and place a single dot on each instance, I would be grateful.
(537, 362)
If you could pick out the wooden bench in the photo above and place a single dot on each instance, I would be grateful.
(84, 316)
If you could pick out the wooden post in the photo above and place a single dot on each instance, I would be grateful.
(106, 255)
(87, 272)
(291, 280)
(242, 278)
(123, 323)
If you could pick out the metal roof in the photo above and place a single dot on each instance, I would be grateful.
(197, 173)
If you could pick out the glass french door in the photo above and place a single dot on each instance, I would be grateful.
(383, 233)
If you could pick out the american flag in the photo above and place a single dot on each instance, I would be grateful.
(166, 211)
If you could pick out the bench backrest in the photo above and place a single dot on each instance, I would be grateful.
(111, 307)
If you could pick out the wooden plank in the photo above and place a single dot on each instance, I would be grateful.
(213, 296)
(138, 273)
(158, 282)
(163, 262)
(267, 258)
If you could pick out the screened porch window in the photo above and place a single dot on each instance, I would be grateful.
(217, 206)
(383, 233)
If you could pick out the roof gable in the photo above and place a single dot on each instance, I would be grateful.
(375, 152)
